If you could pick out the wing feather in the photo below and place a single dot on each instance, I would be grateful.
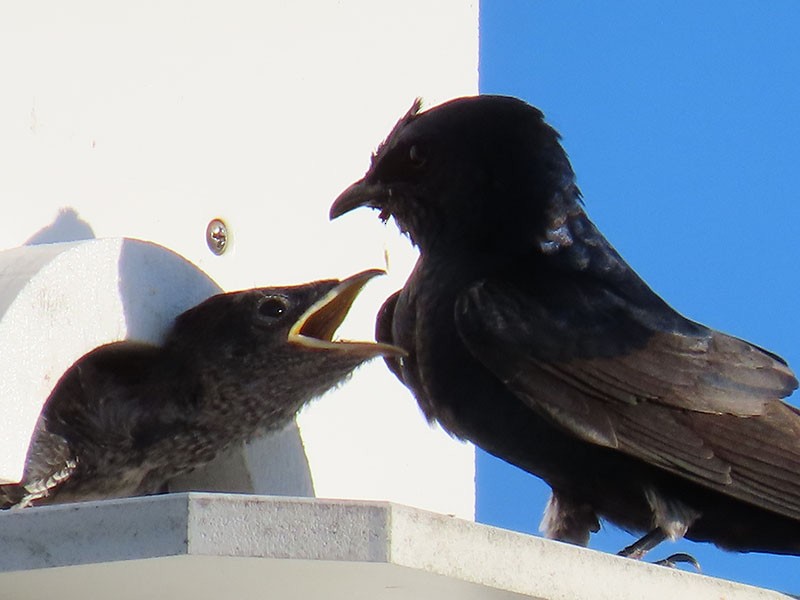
(698, 403)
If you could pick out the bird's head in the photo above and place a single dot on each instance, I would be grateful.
(472, 173)
(296, 322)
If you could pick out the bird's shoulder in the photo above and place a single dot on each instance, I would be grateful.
(120, 390)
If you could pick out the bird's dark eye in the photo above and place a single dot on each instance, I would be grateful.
(271, 308)
(416, 155)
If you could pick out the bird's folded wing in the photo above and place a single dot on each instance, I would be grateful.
(648, 383)
(48, 464)
(383, 333)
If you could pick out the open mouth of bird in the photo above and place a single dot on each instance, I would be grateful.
(317, 326)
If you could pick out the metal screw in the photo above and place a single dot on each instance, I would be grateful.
(217, 236)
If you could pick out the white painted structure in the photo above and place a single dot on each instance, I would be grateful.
(148, 120)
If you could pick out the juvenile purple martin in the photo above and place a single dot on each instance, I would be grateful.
(129, 416)
(530, 336)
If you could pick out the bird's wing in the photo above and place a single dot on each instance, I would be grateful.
(49, 463)
(121, 395)
(644, 381)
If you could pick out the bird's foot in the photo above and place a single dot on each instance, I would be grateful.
(679, 557)
(643, 545)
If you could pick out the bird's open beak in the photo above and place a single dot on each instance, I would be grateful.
(361, 193)
(316, 327)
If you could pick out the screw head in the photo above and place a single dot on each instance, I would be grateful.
(217, 236)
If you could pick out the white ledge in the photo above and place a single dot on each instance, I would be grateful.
(202, 545)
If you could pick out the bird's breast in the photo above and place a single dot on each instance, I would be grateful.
(448, 383)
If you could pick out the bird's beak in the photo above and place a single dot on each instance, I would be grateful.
(316, 327)
(361, 193)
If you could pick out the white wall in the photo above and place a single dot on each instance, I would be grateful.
(148, 119)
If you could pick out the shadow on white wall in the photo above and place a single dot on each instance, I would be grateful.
(66, 227)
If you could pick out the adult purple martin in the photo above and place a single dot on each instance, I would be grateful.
(129, 416)
(530, 336)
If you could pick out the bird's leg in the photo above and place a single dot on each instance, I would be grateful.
(644, 544)
(568, 519)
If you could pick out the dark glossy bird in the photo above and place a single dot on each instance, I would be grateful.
(129, 416)
(530, 336)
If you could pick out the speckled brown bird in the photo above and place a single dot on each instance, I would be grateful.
(129, 416)
(529, 335)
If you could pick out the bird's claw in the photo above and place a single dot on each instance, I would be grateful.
(679, 557)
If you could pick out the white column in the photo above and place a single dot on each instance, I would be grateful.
(149, 119)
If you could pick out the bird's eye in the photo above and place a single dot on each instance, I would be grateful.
(272, 308)
(416, 155)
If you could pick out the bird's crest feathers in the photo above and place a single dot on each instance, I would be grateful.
(412, 112)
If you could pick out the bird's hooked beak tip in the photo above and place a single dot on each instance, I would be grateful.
(316, 326)
(358, 194)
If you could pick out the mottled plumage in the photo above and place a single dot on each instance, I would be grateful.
(529, 335)
(129, 416)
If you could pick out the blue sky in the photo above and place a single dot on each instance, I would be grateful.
(682, 121)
